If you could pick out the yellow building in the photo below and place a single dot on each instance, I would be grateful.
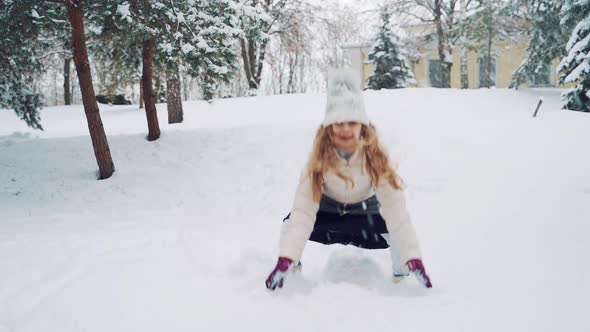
(508, 55)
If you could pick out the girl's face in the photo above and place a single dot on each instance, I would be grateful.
(346, 135)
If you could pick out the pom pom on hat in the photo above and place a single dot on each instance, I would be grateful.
(344, 99)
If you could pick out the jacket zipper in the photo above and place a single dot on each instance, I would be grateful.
(346, 189)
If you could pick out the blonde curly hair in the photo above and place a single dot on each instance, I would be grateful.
(323, 159)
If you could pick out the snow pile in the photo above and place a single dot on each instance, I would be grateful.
(183, 235)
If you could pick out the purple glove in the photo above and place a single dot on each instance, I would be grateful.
(417, 268)
(277, 276)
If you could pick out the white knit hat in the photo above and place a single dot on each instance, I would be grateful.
(344, 99)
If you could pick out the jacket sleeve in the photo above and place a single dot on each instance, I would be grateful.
(297, 229)
(397, 220)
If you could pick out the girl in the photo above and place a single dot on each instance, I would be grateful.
(349, 193)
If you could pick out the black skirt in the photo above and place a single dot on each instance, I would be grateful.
(359, 230)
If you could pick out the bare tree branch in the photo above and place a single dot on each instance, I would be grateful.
(426, 4)
(419, 17)
(278, 8)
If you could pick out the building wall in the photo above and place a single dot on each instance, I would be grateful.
(509, 55)
(420, 69)
(356, 61)
(369, 68)
(472, 74)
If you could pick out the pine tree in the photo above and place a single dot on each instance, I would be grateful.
(57, 30)
(391, 70)
(20, 52)
(116, 56)
(200, 37)
(75, 11)
(271, 17)
(575, 66)
(546, 42)
(205, 34)
(21, 24)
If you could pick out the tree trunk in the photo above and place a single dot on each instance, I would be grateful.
(141, 93)
(252, 63)
(260, 63)
(246, 61)
(174, 97)
(133, 92)
(55, 93)
(73, 89)
(149, 98)
(249, 57)
(293, 59)
(252, 57)
(67, 95)
(445, 66)
(464, 70)
(97, 134)
(489, 62)
(157, 83)
(185, 87)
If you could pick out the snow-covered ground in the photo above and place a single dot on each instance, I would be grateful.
(183, 235)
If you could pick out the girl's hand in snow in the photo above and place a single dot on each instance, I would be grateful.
(417, 268)
(277, 276)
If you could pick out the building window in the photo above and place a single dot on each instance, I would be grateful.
(543, 76)
(437, 76)
(487, 72)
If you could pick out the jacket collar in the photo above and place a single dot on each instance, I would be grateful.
(354, 158)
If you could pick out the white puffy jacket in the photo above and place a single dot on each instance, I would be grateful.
(296, 231)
